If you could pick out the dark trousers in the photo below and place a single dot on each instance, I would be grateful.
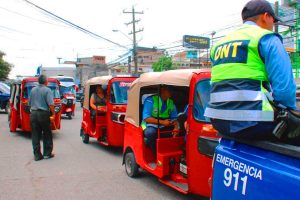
(41, 127)
(261, 131)
(150, 134)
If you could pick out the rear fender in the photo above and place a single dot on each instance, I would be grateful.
(128, 150)
(84, 126)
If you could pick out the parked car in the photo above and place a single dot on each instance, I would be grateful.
(4, 96)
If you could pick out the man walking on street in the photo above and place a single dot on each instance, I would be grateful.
(42, 109)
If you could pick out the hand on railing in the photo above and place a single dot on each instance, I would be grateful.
(175, 132)
(101, 108)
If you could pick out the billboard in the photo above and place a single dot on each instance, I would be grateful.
(196, 42)
(192, 54)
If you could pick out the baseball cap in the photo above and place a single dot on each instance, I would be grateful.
(256, 7)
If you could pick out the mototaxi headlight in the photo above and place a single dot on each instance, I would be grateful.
(56, 109)
(118, 117)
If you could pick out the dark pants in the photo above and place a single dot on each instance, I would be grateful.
(150, 134)
(41, 126)
(261, 131)
(93, 116)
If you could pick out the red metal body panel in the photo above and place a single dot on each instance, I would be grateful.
(65, 109)
(13, 119)
(199, 166)
(68, 109)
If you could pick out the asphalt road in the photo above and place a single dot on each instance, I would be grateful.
(78, 171)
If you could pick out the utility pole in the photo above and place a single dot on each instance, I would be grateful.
(133, 12)
(276, 13)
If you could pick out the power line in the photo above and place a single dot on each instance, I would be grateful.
(72, 24)
(25, 16)
(12, 30)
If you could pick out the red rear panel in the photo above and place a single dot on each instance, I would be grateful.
(116, 113)
(199, 165)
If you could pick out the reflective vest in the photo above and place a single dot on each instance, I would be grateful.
(156, 110)
(238, 78)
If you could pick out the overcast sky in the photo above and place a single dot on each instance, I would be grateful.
(30, 38)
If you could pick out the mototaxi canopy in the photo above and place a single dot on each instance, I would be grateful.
(180, 77)
(99, 80)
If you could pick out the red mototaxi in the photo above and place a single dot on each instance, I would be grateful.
(68, 98)
(19, 110)
(109, 127)
(194, 174)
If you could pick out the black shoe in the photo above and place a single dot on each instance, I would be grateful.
(49, 156)
(38, 157)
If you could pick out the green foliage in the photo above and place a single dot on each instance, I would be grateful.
(5, 68)
(163, 64)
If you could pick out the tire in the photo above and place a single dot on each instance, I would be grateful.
(69, 116)
(8, 120)
(6, 108)
(85, 137)
(131, 166)
(8, 115)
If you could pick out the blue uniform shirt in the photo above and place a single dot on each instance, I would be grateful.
(148, 106)
(279, 70)
(280, 75)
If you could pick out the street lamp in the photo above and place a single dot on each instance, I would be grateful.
(212, 37)
(116, 30)
(58, 58)
(129, 58)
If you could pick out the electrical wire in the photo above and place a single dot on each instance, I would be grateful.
(73, 25)
(7, 29)
(17, 13)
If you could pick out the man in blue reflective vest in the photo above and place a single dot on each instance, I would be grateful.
(250, 65)
(159, 107)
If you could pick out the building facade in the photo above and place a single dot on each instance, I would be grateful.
(145, 59)
(89, 67)
(191, 59)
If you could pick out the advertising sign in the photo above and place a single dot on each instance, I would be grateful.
(196, 42)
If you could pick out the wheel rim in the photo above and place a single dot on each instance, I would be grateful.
(128, 166)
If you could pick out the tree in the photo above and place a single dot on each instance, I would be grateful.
(163, 64)
(5, 67)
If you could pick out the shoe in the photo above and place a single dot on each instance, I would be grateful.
(49, 156)
(38, 157)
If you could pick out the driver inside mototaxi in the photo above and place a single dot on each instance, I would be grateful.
(97, 101)
(163, 108)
